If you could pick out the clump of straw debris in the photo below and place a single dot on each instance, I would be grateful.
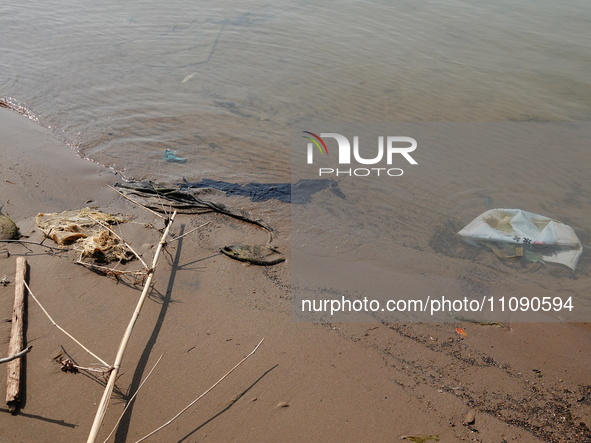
(88, 232)
(104, 246)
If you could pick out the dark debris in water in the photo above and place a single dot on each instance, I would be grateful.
(297, 193)
(446, 241)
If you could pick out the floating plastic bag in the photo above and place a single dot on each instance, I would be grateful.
(170, 156)
(513, 233)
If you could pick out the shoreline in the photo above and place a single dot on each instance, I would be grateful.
(321, 382)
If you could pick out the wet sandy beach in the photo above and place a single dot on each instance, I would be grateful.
(307, 382)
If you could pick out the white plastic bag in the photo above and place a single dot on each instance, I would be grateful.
(516, 233)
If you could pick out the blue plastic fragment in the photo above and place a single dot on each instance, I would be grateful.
(170, 156)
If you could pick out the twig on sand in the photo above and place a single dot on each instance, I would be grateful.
(63, 330)
(133, 201)
(201, 396)
(135, 277)
(102, 408)
(15, 356)
(187, 233)
(107, 270)
(28, 242)
(132, 397)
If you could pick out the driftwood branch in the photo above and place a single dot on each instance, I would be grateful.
(17, 337)
(202, 395)
(102, 408)
(62, 329)
(17, 355)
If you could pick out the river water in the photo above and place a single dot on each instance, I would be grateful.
(223, 82)
(226, 83)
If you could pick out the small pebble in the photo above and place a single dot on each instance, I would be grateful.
(470, 418)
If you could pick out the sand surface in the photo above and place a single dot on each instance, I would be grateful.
(307, 382)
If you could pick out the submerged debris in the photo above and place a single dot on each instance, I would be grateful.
(522, 235)
(297, 193)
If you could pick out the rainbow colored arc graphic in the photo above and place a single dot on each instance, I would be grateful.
(315, 140)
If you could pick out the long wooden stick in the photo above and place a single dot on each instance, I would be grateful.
(17, 338)
(102, 409)
(202, 395)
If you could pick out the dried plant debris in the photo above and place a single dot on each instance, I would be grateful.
(162, 198)
(87, 230)
(105, 247)
(67, 365)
